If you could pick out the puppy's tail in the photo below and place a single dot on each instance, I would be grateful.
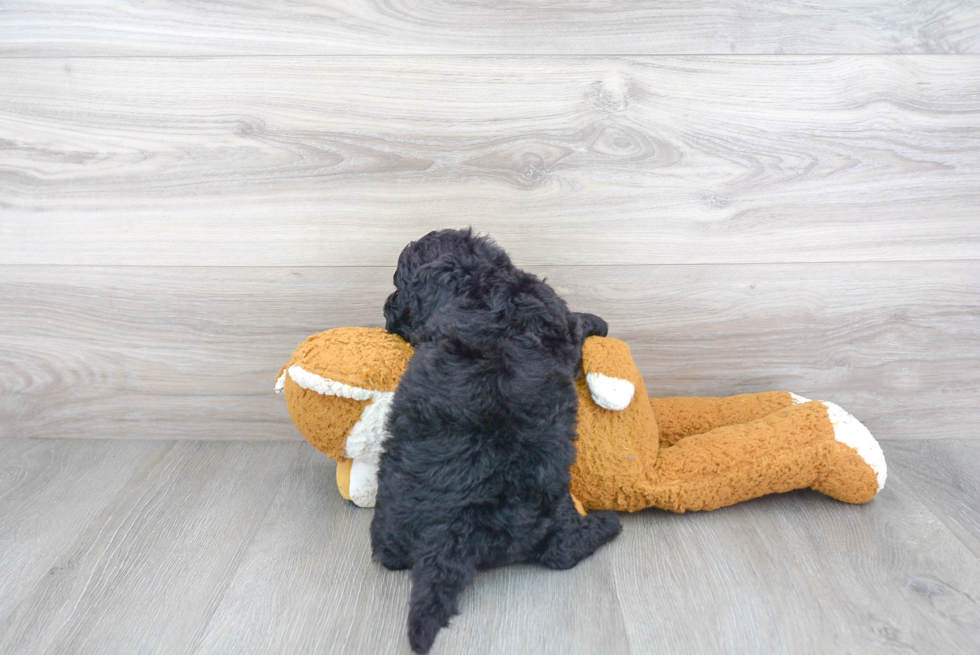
(438, 577)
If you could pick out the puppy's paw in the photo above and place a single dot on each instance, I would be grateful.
(391, 559)
(606, 526)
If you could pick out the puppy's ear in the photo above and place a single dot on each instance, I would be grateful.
(434, 285)
(542, 316)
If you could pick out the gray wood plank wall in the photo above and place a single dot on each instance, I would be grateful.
(756, 197)
(112, 27)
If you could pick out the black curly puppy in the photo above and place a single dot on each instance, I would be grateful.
(475, 473)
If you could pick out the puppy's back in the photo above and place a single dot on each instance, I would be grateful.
(476, 470)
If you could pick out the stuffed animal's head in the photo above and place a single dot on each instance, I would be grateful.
(338, 386)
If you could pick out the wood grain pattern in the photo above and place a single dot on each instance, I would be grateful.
(343, 160)
(533, 610)
(748, 192)
(307, 583)
(248, 547)
(152, 568)
(192, 352)
(799, 573)
(946, 478)
(53, 27)
(50, 490)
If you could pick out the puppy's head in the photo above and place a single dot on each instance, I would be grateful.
(429, 275)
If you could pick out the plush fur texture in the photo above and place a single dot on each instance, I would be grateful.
(475, 473)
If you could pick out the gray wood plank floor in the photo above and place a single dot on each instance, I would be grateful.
(303, 27)
(233, 547)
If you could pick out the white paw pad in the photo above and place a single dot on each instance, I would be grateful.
(610, 393)
(851, 432)
(364, 481)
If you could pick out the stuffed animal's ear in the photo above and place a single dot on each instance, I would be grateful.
(609, 372)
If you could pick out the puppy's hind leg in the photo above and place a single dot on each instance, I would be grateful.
(438, 577)
(392, 556)
(577, 536)
(388, 544)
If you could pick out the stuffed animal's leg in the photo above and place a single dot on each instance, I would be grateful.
(811, 445)
(681, 417)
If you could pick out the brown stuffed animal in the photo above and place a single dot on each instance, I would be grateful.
(634, 452)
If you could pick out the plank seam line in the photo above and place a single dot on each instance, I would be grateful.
(524, 265)
(514, 55)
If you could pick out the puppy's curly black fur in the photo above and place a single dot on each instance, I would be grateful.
(475, 473)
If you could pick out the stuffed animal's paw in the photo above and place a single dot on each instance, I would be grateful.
(609, 392)
(852, 433)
